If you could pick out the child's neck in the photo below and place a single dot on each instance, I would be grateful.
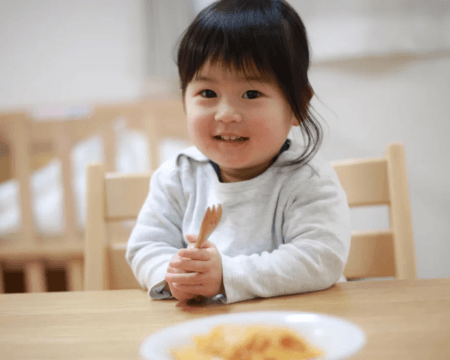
(237, 175)
(226, 178)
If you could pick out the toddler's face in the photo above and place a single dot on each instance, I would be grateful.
(221, 105)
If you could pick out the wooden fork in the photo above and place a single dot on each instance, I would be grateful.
(209, 223)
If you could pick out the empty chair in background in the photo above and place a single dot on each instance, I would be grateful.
(380, 181)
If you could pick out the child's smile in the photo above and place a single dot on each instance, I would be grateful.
(231, 140)
(239, 124)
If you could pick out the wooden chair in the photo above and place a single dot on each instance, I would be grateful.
(33, 144)
(113, 197)
(109, 198)
(380, 181)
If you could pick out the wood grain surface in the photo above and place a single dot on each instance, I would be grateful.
(402, 319)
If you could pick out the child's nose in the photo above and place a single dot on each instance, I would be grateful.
(228, 113)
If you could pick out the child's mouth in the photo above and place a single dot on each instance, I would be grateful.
(231, 138)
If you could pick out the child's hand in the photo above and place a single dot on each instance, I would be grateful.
(196, 271)
(178, 294)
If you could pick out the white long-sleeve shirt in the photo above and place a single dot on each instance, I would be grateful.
(285, 231)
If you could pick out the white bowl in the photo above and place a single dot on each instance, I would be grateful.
(337, 338)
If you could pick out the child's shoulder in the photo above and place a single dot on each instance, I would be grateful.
(316, 168)
(191, 154)
(317, 172)
(320, 167)
(184, 161)
(311, 180)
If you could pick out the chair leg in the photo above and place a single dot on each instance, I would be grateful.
(74, 271)
(2, 280)
(35, 277)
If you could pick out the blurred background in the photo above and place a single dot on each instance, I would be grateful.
(380, 70)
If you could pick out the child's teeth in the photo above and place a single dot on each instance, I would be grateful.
(232, 138)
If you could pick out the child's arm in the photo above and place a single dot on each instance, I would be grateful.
(156, 237)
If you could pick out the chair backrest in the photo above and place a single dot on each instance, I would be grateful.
(160, 119)
(110, 198)
(31, 145)
(106, 114)
(115, 197)
(380, 181)
(164, 118)
(29, 139)
(5, 159)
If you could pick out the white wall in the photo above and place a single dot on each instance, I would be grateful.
(70, 51)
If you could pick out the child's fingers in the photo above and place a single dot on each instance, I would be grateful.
(192, 239)
(190, 289)
(184, 279)
(195, 254)
(195, 289)
(174, 270)
(208, 244)
(180, 295)
(188, 265)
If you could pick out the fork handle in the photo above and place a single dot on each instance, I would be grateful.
(200, 240)
(202, 237)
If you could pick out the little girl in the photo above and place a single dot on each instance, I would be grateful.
(285, 226)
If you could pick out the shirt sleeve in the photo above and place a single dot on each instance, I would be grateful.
(157, 235)
(313, 252)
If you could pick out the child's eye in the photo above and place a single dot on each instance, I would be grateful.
(208, 93)
(252, 94)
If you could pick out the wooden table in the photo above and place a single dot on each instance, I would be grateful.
(402, 319)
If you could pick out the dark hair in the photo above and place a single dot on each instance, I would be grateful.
(268, 34)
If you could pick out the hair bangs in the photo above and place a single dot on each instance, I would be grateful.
(243, 41)
(244, 63)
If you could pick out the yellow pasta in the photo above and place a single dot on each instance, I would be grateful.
(252, 342)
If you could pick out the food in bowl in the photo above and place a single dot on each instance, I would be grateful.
(249, 342)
